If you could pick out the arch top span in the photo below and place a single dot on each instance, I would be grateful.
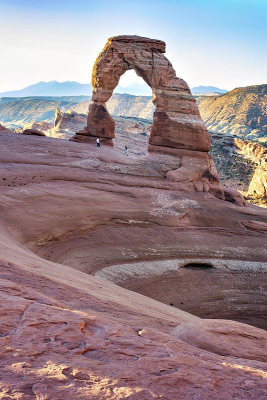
(176, 122)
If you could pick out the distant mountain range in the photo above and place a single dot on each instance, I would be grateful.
(53, 88)
(207, 90)
(72, 88)
(241, 111)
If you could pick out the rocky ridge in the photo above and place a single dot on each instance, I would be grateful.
(242, 112)
(16, 112)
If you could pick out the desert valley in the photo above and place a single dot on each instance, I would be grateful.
(137, 274)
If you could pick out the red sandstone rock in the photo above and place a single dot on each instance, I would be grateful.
(81, 137)
(234, 196)
(35, 132)
(177, 127)
(224, 338)
(99, 122)
(177, 122)
(42, 126)
(66, 334)
(67, 124)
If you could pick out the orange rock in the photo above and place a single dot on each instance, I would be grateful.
(177, 122)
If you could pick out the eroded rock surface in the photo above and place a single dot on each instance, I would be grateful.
(69, 210)
(67, 123)
(34, 132)
(258, 154)
(43, 126)
(177, 128)
(206, 287)
(176, 123)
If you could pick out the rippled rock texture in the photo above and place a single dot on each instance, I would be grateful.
(69, 211)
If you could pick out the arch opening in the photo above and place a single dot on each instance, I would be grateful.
(176, 122)
(132, 84)
(132, 113)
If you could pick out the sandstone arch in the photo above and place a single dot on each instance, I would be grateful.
(177, 127)
(176, 123)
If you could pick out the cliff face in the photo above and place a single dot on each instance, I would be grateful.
(241, 164)
(241, 111)
(67, 123)
(233, 168)
(258, 154)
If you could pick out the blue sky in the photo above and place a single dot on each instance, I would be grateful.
(220, 43)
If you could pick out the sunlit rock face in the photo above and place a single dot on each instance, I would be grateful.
(257, 153)
(70, 211)
(177, 128)
(177, 122)
(66, 123)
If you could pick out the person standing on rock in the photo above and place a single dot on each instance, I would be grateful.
(97, 143)
(126, 150)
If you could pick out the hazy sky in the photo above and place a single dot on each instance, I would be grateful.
(209, 42)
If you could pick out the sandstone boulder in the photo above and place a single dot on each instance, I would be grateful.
(67, 123)
(42, 126)
(35, 132)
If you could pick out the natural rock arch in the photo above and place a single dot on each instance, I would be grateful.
(177, 127)
(176, 122)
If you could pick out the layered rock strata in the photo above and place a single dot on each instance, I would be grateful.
(258, 154)
(176, 123)
(67, 334)
(66, 123)
(177, 127)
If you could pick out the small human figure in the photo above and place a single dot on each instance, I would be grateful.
(97, 143)
(126, 150)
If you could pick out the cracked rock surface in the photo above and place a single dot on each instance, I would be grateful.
(68, 212)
